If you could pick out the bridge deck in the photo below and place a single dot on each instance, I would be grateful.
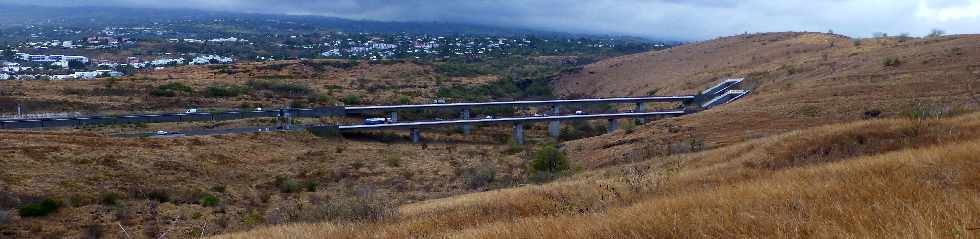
(429, 124)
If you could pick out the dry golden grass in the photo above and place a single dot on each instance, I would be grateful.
(78, 167)
(892, 178)
(799, 80)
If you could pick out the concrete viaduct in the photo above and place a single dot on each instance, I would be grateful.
(717, 95)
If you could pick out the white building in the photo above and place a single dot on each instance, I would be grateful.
(85, 75)
(167, 61)
(50, 58)
(62, 77)
(204, 60)
(330, 53)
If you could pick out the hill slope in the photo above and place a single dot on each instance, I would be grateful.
(889, 178)
(798, 80)
(771, 169)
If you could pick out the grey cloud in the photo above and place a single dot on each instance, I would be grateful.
(676, 19)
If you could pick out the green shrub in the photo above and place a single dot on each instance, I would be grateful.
(310, 185)
(351, 99)
(393, 160)
(40, 209)
(549, 159)
(461, 70)
(480, 176)
(109, 198)
(158, 195)
(653, 92)
(208, 200)
(172, 90)
(404, 100)
(218, 188)
(280, 87)
(891, 61)
(225, 91)
(287, 185)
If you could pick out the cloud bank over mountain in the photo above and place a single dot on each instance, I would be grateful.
(671, 19)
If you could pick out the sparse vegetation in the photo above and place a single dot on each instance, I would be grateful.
(110, 198)
(286, 185)
(280, 87)
(172, 90)
(891, 61)
(480, 176)
(40, 209)
(759, 177)
(351, 100)
(225, 91)
(208, 200)
(548, 162)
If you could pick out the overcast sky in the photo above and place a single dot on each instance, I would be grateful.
(672, 19)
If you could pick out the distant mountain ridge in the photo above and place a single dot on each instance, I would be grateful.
(15, 15)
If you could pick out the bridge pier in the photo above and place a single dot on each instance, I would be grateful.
(640, 108)
(416, 135)
(287, 122)
(278, 120)
(393, 117)
(519, 133)
(613, 125)
(465, 115)
(554, 127)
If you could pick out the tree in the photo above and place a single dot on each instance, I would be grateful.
(936, 33)
(76, 65)
(8, 54)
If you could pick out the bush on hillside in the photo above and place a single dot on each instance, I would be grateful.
(287, 185)
(280, 87)
(351, 99)
(549, 159)
(172, 90)
(40, 209)
(480, 176)
(891, 61)
(208, 200)
(109, 198)
(461, 70)
(225, 91)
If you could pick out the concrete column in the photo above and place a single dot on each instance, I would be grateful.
(416, 136)
(278, 120)
(613, 125)
(288, 122)
(465, 115)
(519, 133)
(640, 108)
(394, 117)
(554, 127)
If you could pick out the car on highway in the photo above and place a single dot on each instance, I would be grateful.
(376, 121)
(163, 133)
(579, 112)
(488, 117)
(537, 115)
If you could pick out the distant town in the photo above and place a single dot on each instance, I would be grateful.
(43, 52)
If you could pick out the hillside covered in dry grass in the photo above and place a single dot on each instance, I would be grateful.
(798, 80)
(889, 178)
(840, 138)
(866, 138)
